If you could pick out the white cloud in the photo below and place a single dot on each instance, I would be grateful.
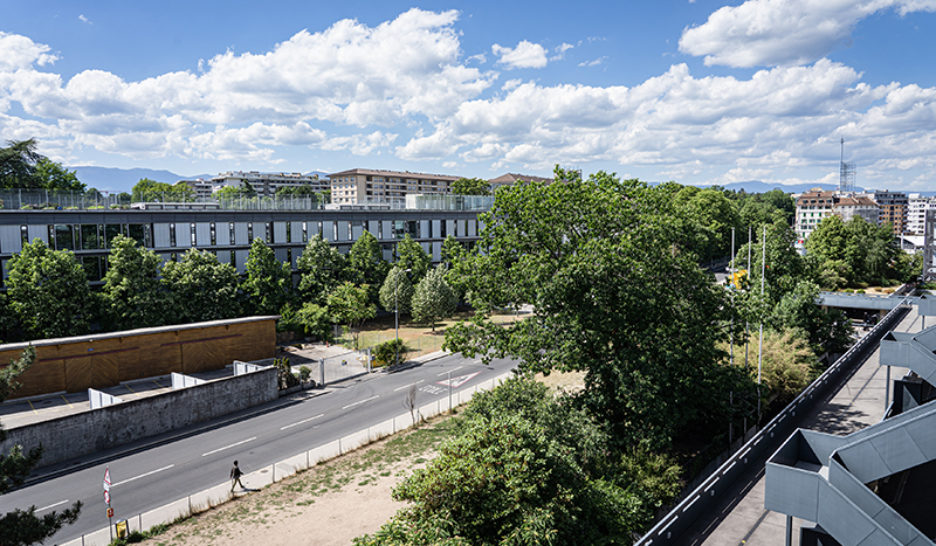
(525, 55)
(783, 32)
(18, 52)
(594, 62)
(560, 51)
(84, 19)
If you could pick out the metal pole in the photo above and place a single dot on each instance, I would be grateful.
(731, 326)
(760, 342)
(322, 372)
(789, 531)
(887, 383)
(450, 389)
(396, 316)
(746, 337)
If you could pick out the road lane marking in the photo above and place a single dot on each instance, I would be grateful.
(66, 400)
(51, 505)
(449, 371)
(375, 397)
(150, 473)
(407, 386)
(235, 444)
(297, 423)
(32, 407)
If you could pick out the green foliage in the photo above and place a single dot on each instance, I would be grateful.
(23, 527)
(412, 256)
(525, 468)
(133, 296)
(386, 353)
(8, 321)
(396, 291)
(712, 215)
(617, 296)
(785, 267)
(284, 376)
(348, 304)
(202, 288)
(471, 186)
(150, 190)
(233, 192)
(451, 250)
(48, 292)
(788, 363)
(268, 282)
(50, 175)
(854, 252)
(433, 298)
(305, 373)
(302, 190)
(321, 267)
(316, 321)
(826, 330)
(366, 264)
(18, 164)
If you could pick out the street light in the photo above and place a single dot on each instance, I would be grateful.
(396, 313)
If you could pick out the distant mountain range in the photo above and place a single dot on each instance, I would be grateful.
(113, 179)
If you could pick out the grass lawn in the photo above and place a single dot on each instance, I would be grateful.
(419, 337)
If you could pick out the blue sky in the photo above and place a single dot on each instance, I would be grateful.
(698, 92)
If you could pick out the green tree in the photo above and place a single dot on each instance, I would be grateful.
(53, 176)
(22, 527)
(301, 190)
(366, 264)
(268, 283)
(396, 291)
(713, 216)
(150, 190)
(348, 304)
(433, 298)
(451, 250)
(316, 321)
(412, 256)
(829, 240)
(202, 288)
(48, 292)
(244, 190)
(827, 330)
(471, 186)
(133, 296)
(18, 164)
(616, 296)
(321, 269)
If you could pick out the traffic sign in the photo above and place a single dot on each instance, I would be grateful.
(107, 482)
(110, 512)
(107, 497)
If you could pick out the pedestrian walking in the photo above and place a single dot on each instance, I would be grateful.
(236, 477)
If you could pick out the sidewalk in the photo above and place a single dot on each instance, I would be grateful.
(858, 404)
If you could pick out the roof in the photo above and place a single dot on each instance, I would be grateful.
(400, 174)
(855, 202)
(510, 178)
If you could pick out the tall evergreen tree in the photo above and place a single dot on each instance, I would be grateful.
(202, 288)
(268, 283)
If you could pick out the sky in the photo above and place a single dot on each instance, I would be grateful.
(700, 92)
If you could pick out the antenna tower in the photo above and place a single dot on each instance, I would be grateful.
(846, 172)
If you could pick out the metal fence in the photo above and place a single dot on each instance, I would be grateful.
(752, 455)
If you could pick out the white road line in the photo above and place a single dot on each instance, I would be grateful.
(51, 505)
(449, 371)
(407, 386)
(150, 473)
(297, 423)
(235, 444)
(375, 397)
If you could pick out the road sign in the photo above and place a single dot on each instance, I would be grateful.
(456, 382)
(107, 482)
(107, 497)
(110, 512)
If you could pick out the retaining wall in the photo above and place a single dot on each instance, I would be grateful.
(74, 364)
(96, 430)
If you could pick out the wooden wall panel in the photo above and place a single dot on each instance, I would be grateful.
(80, 374)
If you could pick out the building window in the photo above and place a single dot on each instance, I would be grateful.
(231, 233)
(91, 236)
(192, 233)
(268, 232)
(305, 232)
(24, 234)
(288, 232)
(335, 230)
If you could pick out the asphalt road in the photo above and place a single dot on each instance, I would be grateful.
(148, 475)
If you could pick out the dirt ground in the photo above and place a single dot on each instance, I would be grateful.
(330, 504)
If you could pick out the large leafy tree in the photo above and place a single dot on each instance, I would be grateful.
(471, 186)
(366, 264)
(48, 292)
(132, 294)
(53, 176)
(348, 304)
(268, 283)
(713, 215)
(18, 164)
(396, 291)
(433, 298)
(22, 527)
(321, 269)
(616, 296)
(412, 256)
(202, 288)
(150, 190)
(827, 330)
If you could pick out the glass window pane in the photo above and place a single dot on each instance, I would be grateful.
(91, 237)
(111, 231)
(63, 237)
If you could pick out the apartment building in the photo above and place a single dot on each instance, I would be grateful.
(360, 186)
(893, 208)
(266, 184)
(202, 188)
(811, 207)
(917, 205)
(849, 207)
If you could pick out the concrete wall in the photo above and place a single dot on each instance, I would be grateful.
(95, 430)
(74, 364)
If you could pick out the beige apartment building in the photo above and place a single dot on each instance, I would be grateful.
(360, 186)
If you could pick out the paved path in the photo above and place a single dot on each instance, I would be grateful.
(858, 404)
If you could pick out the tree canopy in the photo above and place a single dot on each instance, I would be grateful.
(150, 190)
(21, 166)
(268, 283)
(366, 264)
(412, 256)
(202, 288)
(133, 295)
(433, 298)
(471, 186)
(396, 291)
(321, 267)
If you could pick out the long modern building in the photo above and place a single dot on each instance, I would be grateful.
(267, 183)
(226, 233)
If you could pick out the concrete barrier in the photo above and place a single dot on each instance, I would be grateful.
(325, 452)
(292, 465)
(354, 441)
(92, 431)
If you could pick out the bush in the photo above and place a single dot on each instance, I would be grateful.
(385, 353)
(304, 373)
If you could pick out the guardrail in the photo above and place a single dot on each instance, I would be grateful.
(670, 528)
(221, 493)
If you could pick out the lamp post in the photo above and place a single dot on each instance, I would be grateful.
(396, 313)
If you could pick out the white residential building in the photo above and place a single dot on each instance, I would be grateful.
(811, 207)
(917, 205)
(267, 183)
(359, 186)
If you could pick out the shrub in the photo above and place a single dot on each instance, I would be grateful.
(385, 353)
(304, 373)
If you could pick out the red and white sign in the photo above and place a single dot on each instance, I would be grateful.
(107, 485)
(456, 382)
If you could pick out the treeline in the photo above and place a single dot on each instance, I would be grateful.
(48, 294)
(612, 269)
